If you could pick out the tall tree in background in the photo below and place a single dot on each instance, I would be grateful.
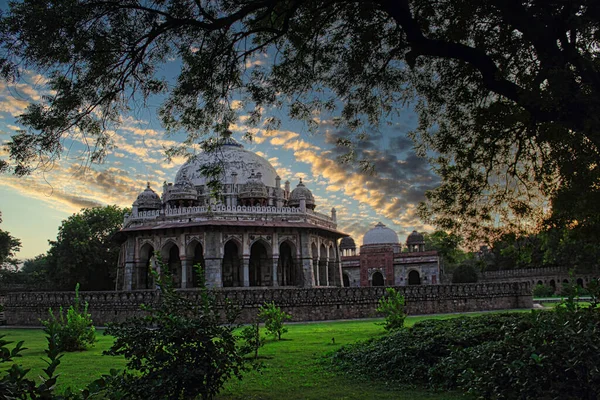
(9, 247)
(507, 91)
(84, 252)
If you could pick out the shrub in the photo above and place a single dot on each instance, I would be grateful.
(465, 274)
(535, 355)
(181, 350)
(274, 318)
(252, 341)
(543, 291)
(392, 307)
(75, 331)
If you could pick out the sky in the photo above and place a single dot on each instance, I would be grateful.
(33, 207)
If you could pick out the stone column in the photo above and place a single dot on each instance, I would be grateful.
(275, 250)
(213, 259)
(128, 275)
(184, 272)
(305, 260)
(246, 270)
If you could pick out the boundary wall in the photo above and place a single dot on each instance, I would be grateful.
(27, 308)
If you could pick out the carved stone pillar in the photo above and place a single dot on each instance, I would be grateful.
(246, 270)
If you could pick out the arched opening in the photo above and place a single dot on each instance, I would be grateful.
(144, 269)
(346, 280)
(170, 258)
(323, 266)
(287, 274)
(566, 281)
(414, 278)
(377, 279)
(195, 256)
(580, 282)
(315, 257)
(231, 270)
(540, 282)
(553, 284)
(260, 265)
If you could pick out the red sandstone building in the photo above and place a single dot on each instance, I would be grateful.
(381, 261)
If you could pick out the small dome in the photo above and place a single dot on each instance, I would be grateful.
(148, 200)
(254, 188)
(380, 234)
(415, 238)
(299, 191)
(347, 243)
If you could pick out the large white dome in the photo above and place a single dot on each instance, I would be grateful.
(234, 159)
(380, 234)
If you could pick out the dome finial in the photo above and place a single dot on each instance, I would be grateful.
(147, 185)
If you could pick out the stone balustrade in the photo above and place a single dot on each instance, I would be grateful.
(221, 211)
(304, 304)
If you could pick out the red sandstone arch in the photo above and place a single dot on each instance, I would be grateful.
(287, 266)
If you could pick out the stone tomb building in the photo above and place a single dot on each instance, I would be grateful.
(259, 234)
(381, 261)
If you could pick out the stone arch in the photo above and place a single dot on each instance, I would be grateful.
(377, 279)
(170, 258)
(315, 258)
(144, 269)
(580, 282)
(346, 280)
(260, 264)
(287, 268)
(323, 265)
(540, 282)
(565, 281)
(194, 256)
(553, 284)
(232, 274)
(414, 278)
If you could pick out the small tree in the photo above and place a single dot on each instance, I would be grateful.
(252, 341)
(274, 318)
(181, 350)
(391, 305)
(75, 331)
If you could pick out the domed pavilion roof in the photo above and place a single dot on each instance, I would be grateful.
(299, 191)
(415, 238)
(234, 160)
(380, 234)
(347, 243)
(148, 199)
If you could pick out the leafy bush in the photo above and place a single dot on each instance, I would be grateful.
(392, 307)
(251, 339)
(15, 385)
(465, 274)
(274, 318)
(543, 291)
(535, 355)
(181, 350)
(75, 330)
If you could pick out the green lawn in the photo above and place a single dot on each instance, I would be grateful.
(291, 367)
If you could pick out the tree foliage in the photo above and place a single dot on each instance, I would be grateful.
(182, 349)
(9, 247)
(274, 318)
(84, 251)
(507, 92)
(391, 306)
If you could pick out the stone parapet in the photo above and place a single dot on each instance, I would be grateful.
(304, 304)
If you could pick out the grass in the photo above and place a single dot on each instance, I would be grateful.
(292, 368)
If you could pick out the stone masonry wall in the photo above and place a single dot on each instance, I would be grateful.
(304, 304)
